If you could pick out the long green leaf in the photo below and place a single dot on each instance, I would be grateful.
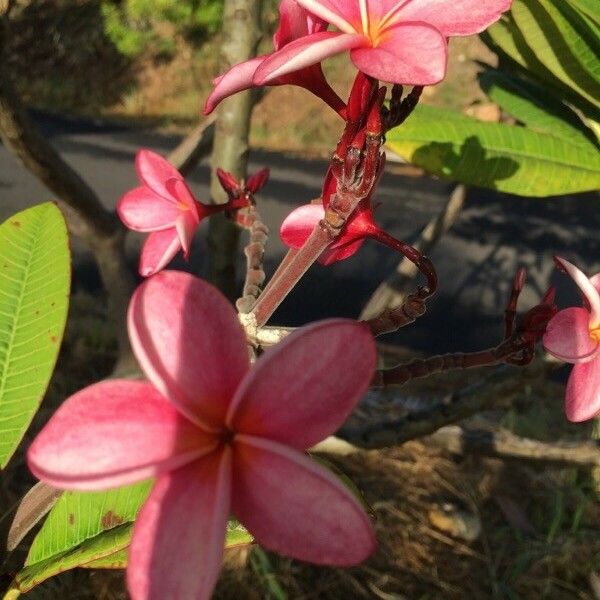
(93, 530)
(562, 41)
(35, 277)
(532, 105)
(495, 155)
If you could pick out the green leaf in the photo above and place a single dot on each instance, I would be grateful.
(237, 535)
(78, 517)
(535, 107)
(495, 155)
(563, 42)
(95, 548)
(35, 277)
(590, 8)
(93, 530)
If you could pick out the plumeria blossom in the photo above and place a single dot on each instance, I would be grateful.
(299, 224)
(219, 436)
(398, 41)
(294, 23)
(573, 335)
(165, 207)
(162, 206)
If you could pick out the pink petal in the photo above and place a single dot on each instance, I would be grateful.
(299, 224)
(178, 537)
(458, 17)
(305, 52)
(583, 392)
(235, 80)
(303, 390)
(154, 171)
(296, 507)
(343, 14)
(112, 434)
(336, 252)
(141, 209)
(595, 281)
(587, 288)
(408, 53)
(293, 23)
(189, 343)
(186, 225)
(568, 336)
(158, 250)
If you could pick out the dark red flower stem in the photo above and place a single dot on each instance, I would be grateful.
(508, 349)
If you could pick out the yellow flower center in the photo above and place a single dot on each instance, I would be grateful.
(595, 334)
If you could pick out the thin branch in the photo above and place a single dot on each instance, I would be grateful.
(254, 251)
(195, 146)
(392, 292)
(504, 444)
(502, 386)
(488, 442)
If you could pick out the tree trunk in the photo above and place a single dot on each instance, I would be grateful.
(241, 34)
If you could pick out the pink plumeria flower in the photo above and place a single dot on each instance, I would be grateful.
(398, 41)
(219, 436)
(299, 224)
(573, 335)
(164, 207)
(294, 23)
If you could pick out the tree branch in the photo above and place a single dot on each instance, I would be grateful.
(194, 146)
(502, 386)
(254, 251)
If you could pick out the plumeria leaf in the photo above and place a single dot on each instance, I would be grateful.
(531, 104)
(495, 155)
(92, 530)
(563, 42)
(237, 535)
(35, 278)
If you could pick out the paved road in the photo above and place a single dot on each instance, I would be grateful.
(495, 233)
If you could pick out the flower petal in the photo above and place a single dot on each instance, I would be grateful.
(408, 53)
(299, 224)
(568, 336)
(340, 13)
(141, 209)
(186, 226)
(293, 23)
(595, 281)
(583, 392)
(178, 537)
(154, 171)
(458, 17)
(304, 52)
(337, 252)
(303, 390)
(158, 251)
(588, 289)
(235, 80)
(189, 343)
(294, 506)
(112, 434)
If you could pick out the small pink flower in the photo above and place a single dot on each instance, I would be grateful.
(220, 437)
(399, 41)
(573, 335)
(163, 206)
(299, 224)
(294, 23)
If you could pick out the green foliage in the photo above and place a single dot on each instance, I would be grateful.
(35, 275)
(136, 25)
(508, 158)
(92, 530)
(549, 82)
(555, 44)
